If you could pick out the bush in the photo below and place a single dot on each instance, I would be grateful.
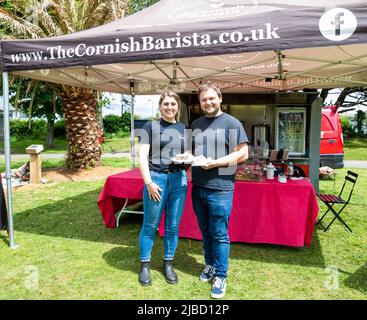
(126, 121)
(38, 128)
(113, 123)
(347, 127)
(20, 128)
(59, 129)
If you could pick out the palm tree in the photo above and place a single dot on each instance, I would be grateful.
(24, 19)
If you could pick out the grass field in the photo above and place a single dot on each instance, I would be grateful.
(116, 162)
(65, 252)
(355, 149)
(118, 142)
(19, 146)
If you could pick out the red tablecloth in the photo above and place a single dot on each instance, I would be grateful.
(263, 212)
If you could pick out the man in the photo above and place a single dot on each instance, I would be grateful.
(222, 140)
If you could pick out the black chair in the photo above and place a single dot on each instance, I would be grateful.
(330, 200)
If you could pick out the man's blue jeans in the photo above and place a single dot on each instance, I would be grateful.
(212, 209)
(173, 195)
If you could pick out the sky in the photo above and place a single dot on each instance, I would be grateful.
(145, 106)
(333, 96)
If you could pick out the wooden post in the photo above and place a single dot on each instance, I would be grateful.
(35, 166)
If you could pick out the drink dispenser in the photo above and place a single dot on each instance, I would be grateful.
(260, 136)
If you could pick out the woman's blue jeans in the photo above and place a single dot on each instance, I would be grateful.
(173, 195)
(212, 209)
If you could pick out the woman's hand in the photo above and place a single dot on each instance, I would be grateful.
(154, 192)
(184, 156)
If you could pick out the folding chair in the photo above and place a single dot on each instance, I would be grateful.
(330, 200)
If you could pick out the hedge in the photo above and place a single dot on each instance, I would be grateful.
(113, 123)
(20, 128)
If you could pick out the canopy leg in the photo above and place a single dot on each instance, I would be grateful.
(132, 136)
(7, 160)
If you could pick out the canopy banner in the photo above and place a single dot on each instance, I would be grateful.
(202, 28)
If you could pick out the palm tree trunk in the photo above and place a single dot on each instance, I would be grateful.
(79, 106)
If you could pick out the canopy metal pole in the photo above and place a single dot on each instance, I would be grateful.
(7, 159)
(132, 136)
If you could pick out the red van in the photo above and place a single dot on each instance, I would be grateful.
(332, 144)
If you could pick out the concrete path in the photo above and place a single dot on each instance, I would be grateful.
(61, 155)
(355, 164)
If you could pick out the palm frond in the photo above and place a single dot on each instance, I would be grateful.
(69, 12)
(55, 9)
(104, 13)
(98, 18)
(87, 14)
(49, 25)
(89, 6)
(4, 37)
(117, 9)
(47, 20)
(19, 27)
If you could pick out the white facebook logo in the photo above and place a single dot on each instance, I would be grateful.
(337, 24)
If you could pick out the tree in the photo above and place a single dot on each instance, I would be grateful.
(23, 19)
(360, 119)
(348, 97)
(347, 100)
(37, 99)
(137, 5)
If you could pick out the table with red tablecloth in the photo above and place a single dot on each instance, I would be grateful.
(263, 212)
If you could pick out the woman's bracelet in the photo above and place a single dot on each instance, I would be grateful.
(149, 183)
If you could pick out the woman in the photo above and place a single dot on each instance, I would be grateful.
(165, 184)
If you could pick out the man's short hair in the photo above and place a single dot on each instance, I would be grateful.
(209, 85)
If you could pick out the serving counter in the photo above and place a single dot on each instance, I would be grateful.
(263, 212)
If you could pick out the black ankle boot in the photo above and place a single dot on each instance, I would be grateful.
(169, 273)
(144, 275)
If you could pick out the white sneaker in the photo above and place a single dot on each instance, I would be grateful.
(219, 288)
(207, 274)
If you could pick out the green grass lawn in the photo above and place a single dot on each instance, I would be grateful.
(65, 252)
(19, 146)
(116, 162)
(355, 149)
(119, 142)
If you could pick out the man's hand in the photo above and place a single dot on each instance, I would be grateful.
(210, 165)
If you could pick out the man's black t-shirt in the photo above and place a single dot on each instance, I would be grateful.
(216, 138)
